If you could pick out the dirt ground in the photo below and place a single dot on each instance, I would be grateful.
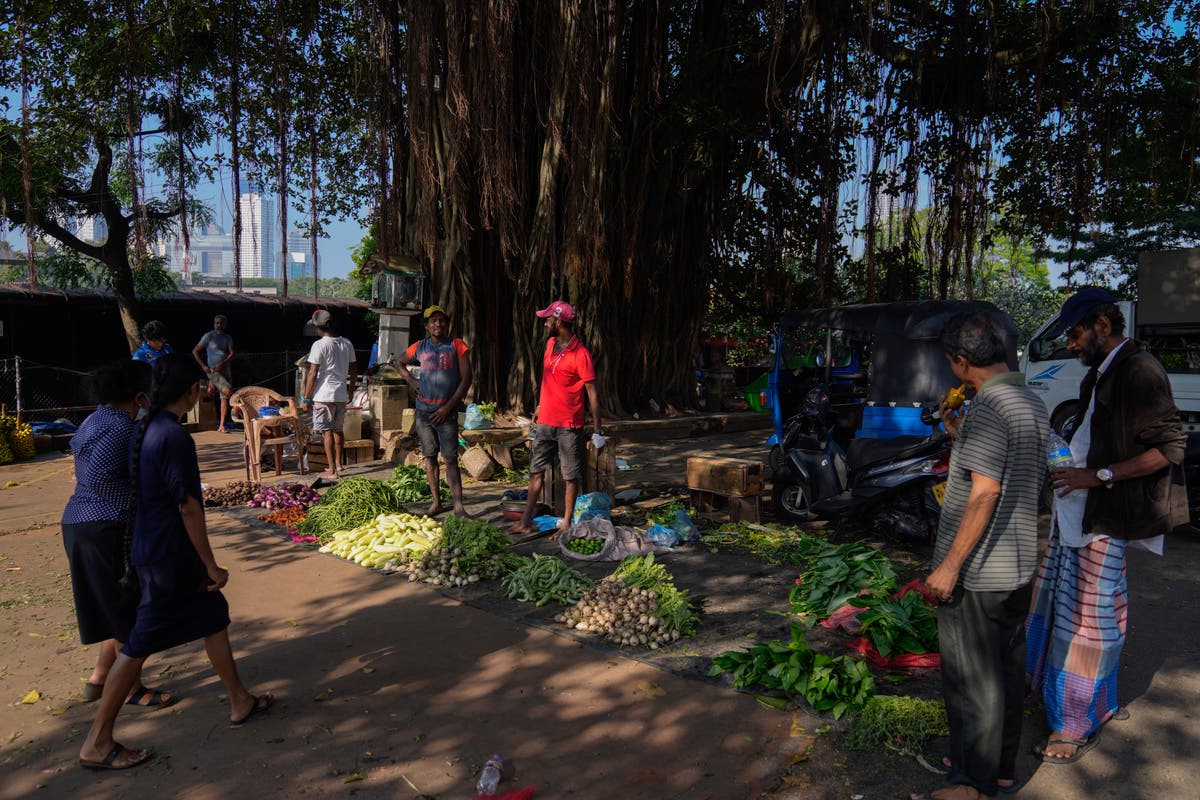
(391, 689)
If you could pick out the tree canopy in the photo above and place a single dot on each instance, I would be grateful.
(646, 161)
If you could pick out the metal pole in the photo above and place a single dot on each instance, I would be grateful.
(17, 367)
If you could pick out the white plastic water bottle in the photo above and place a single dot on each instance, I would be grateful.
(1060, 452)
(489, 778)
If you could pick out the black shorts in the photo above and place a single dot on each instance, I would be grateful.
(437, 438)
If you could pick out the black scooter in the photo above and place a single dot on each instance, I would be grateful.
(896, 485)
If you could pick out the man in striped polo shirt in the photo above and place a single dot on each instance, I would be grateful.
(985, 558)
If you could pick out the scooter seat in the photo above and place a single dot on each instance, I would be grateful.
(863, 452)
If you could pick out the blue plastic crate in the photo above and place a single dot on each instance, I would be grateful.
(886, 422)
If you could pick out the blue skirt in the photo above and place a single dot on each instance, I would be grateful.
(175, 607)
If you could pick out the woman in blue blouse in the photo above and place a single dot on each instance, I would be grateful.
(94, 522)
(179, 577)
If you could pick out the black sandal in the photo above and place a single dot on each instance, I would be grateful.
(261, 703)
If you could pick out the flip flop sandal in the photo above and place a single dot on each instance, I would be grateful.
(158, 699)
(1081, 747)
(1012, 788)
(1120, 715)
(109, 761)
(934, 762)
(92, 691)
(261, 704)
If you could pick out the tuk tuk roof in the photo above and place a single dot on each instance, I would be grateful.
(909, 319)
(907, 363)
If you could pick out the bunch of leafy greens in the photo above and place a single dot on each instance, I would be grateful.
(410, 485)
(839, 684)
(903, 724)
(907, 624)
(838, 573)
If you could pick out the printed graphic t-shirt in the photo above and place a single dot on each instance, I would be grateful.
(439, 370)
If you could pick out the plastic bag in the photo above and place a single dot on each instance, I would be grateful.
(593, 505)
(662, 536)
(685, 530)
(619, 542)
(475, 420)
(546, 522)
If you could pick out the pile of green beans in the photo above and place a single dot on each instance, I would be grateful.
(545, 578)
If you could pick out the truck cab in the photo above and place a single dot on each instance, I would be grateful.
(1165, 317)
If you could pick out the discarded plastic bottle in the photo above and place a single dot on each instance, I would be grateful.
(1060, 452)
(489, 778)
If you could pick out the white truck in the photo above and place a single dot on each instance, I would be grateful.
(1166, 317)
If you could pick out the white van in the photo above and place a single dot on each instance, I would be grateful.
(1166, 317)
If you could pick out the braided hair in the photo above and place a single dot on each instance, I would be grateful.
(174, 376)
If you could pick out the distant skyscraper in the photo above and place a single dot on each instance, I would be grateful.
(259, 240)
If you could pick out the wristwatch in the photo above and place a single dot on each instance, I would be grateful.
(1105, 476)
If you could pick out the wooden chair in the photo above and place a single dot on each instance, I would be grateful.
(273, 430)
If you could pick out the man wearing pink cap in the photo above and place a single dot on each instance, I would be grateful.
(567, 374)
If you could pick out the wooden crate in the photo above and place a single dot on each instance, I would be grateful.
(738, 509)
(354, 451)
(732, 477)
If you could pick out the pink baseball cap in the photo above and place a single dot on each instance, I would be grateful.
(559, 310)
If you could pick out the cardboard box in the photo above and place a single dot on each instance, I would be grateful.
(733, 477)
(388, 402)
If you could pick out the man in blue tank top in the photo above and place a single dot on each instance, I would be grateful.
(445, 377)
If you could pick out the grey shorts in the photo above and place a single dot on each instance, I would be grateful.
(437, 438)
(565, 443)
(221, 380)
(329, 417)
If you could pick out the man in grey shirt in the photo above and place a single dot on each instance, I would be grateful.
(217, 347)
(985, 557)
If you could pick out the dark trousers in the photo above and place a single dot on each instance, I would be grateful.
(982, 637)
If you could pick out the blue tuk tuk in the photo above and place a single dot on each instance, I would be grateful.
(881, 362)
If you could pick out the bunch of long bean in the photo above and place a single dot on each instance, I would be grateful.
(545, 578)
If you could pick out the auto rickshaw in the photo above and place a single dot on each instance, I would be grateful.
(880, 362)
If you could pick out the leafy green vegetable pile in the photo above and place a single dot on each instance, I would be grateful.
(410, 485)
(907, 624)
(542, 579)
(839, 684)
(775, 545)
(469, 550)
(839, 573)
(903, 724)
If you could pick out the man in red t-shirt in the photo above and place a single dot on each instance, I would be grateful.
(567, 375)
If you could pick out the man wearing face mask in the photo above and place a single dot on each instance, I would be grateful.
(567, 376)
(1126, 441)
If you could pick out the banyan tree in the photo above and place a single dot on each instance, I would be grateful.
(645, 160)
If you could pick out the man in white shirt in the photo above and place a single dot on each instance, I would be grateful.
(332, 375)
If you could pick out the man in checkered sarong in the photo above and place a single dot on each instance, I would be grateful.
(1126, 444)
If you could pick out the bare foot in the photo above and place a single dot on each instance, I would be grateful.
(328, 476)
(1003, 783)
(459, 511)
(434, 510)
(523, 528)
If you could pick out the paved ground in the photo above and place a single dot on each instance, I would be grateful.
(411, 689)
